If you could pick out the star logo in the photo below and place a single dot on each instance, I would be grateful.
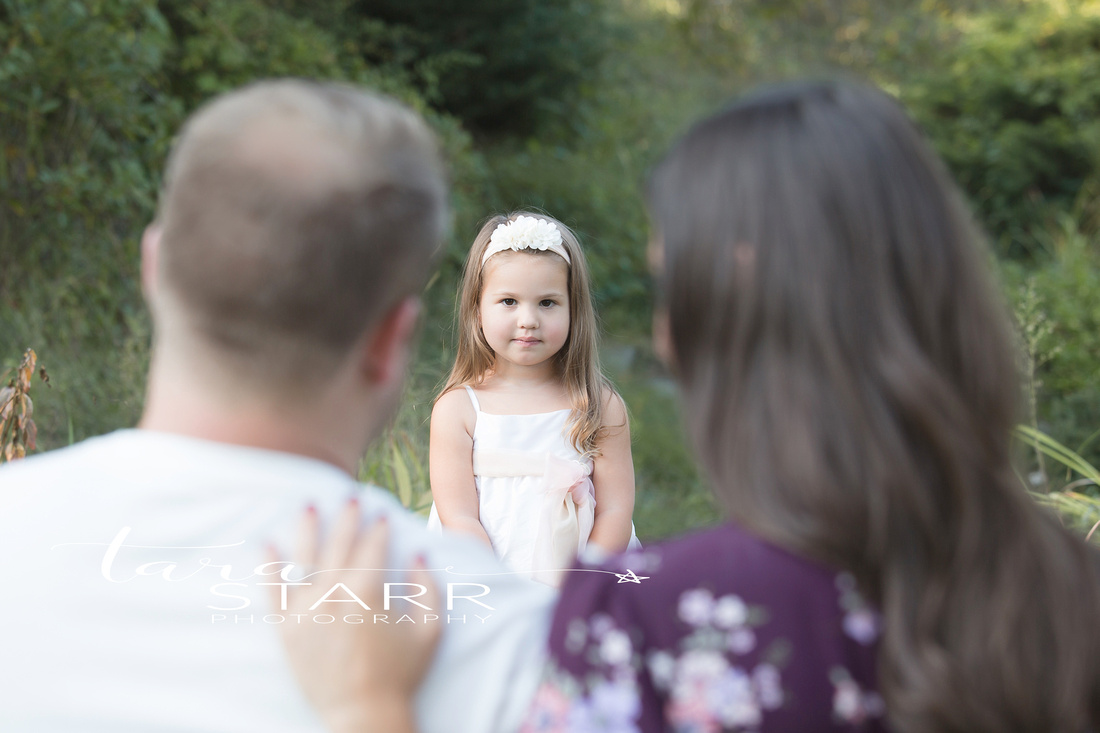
(630, 577)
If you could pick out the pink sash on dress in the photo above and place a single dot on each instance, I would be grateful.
(568, 508)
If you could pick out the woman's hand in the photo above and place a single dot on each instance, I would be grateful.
(361, 677)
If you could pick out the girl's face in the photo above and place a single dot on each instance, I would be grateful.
(525, 307)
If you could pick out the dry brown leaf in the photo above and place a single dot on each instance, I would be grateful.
(18, 432)
(26, 369)
(7, 395)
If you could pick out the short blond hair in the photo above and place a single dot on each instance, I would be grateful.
(293, 215)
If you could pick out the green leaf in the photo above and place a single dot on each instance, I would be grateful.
(1060, 453)
(401, 477)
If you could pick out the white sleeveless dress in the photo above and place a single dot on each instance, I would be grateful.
(535, 498)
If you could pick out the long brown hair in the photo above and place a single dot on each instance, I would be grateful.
(577, 364)
(850, 386)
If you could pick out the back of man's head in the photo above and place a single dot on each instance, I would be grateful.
(294, 215)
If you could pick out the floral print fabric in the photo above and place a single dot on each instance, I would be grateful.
(715, 632)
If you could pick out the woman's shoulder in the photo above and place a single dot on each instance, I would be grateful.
(721, 609)
(720, 561)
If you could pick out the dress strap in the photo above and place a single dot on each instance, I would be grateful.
(473, 397)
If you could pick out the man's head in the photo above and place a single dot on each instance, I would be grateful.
(294, 217)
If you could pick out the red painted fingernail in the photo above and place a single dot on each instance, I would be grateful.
(353, 502)
(311, 509)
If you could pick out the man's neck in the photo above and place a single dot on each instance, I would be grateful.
(249, 431)
(178, 404)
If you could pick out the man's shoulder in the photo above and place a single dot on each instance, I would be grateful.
(54, 464)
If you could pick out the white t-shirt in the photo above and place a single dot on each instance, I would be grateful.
(129, 598)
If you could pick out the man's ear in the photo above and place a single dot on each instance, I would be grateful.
(386, 352)
(150, 252)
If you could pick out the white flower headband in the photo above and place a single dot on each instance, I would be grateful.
(526, 232)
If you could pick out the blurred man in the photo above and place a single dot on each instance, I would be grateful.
(297, 224)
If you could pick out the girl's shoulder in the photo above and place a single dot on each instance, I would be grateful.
(610, 398)
(454, 407)
(613, 413)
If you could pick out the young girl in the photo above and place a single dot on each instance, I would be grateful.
(530, 448)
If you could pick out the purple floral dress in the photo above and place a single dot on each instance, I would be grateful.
(718, 631)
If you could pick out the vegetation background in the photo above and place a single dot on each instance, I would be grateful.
(560, 105)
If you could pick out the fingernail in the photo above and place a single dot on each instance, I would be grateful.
(420, 562)
(311, 510)
(353, 502)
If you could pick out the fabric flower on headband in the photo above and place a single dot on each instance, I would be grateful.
(526, 232)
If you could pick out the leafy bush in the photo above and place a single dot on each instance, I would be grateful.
(82, 120)
(91, 93)
(1014, 108)
(498, 65)
(1057, 300)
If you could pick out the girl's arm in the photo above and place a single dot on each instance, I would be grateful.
(613, 477)
(451, 465)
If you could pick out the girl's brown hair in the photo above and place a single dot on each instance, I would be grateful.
(850, 384)
(577, 363)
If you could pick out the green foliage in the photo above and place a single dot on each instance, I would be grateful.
(84, 123)
(81, 121)
(398, 463)
(91, 93)
(1069, 286)
(398, 460)
(1014, 109)
(498, 65)
(1057, 301)
(1009, 90)
(766, 40)
(223, 44)
(670, 496)
(1081, 511)
(589, 168)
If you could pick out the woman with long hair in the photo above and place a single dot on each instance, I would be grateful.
(849, 384)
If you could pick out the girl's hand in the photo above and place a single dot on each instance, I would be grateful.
(360, 677)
